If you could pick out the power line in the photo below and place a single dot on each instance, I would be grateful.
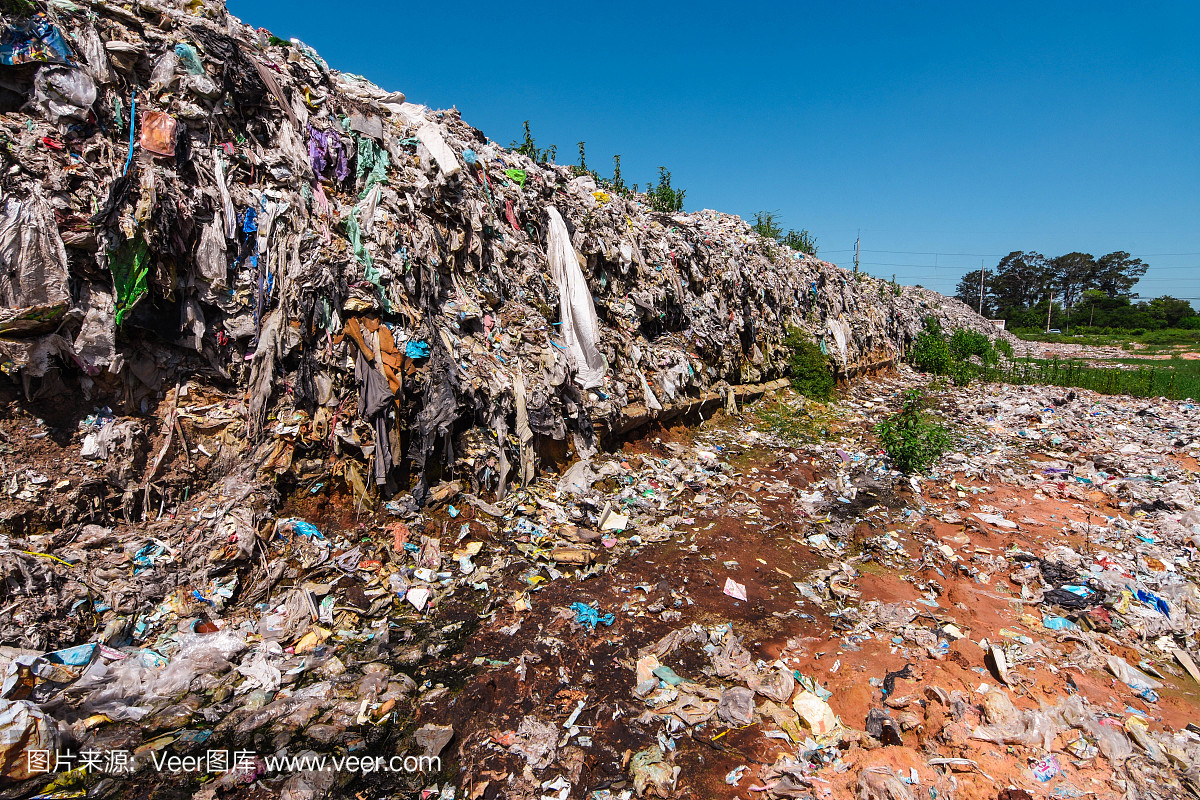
(1156, 270)
(992, 255)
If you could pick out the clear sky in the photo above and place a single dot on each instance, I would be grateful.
(945, 132)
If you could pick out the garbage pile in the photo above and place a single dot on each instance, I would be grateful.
(307, 389)
(186, 195)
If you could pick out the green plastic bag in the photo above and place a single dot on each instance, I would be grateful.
(131, 274)
(517, 175)
(372, 162)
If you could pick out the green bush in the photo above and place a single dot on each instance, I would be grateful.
(930, 353)
(800, 241)
(964, 356)
(810, 369)
(1190, 323)
(965, 344)
(912, 441)
(664, 198)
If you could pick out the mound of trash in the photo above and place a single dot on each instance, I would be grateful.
(272, 336)
(190, 198)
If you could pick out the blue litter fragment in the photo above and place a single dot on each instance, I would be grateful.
(303, 528)
(76, 656)
(417, 350)
(590, 617)
(1154, 601)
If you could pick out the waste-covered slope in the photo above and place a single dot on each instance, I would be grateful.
(189, 198)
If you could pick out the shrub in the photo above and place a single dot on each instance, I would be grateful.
(810, 369)
(912, 441)
(965, 344)
(528, 147)
(930, 353)
(802, 241)
(664, 198)
(766, 225)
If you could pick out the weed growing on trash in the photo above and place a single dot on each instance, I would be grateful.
(664, 198)
(800, 241)
(797, 422)
(766, 224)
(809, 368)
(911, 440)
(528, 147)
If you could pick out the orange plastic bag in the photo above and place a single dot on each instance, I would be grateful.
(158, 133)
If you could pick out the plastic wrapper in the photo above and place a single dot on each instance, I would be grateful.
(878, 783)
(163, 74)
(23, 728)
(158, 133)
(64, 94)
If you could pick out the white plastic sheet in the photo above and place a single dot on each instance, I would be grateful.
(431, 137)
(578, 314)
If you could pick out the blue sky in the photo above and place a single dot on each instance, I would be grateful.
(946, 133)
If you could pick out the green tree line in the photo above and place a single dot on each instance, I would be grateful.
(1075, 289)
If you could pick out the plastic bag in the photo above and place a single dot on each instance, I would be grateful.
(189, 59)
(1141, 683)
(650, 771)
(778, 685)
(736, 706)
(1111, 739)
(23, 728)
(1008, 725)
(64, 94)
(878, 783)
(163, 74)
(158, 133)
(815, 713)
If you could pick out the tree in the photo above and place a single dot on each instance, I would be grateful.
(1073, 273)
(1022, 281)
(1172, 309)
(968, 291)
(1116, 273)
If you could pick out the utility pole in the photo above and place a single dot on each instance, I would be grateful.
(1049, 308)
(856, 241)
(981, 287)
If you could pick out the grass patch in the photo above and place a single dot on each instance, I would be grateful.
(1177, 379)
(1164, 336)
(797, 421)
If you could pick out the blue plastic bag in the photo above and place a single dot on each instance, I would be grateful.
(590, 617)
